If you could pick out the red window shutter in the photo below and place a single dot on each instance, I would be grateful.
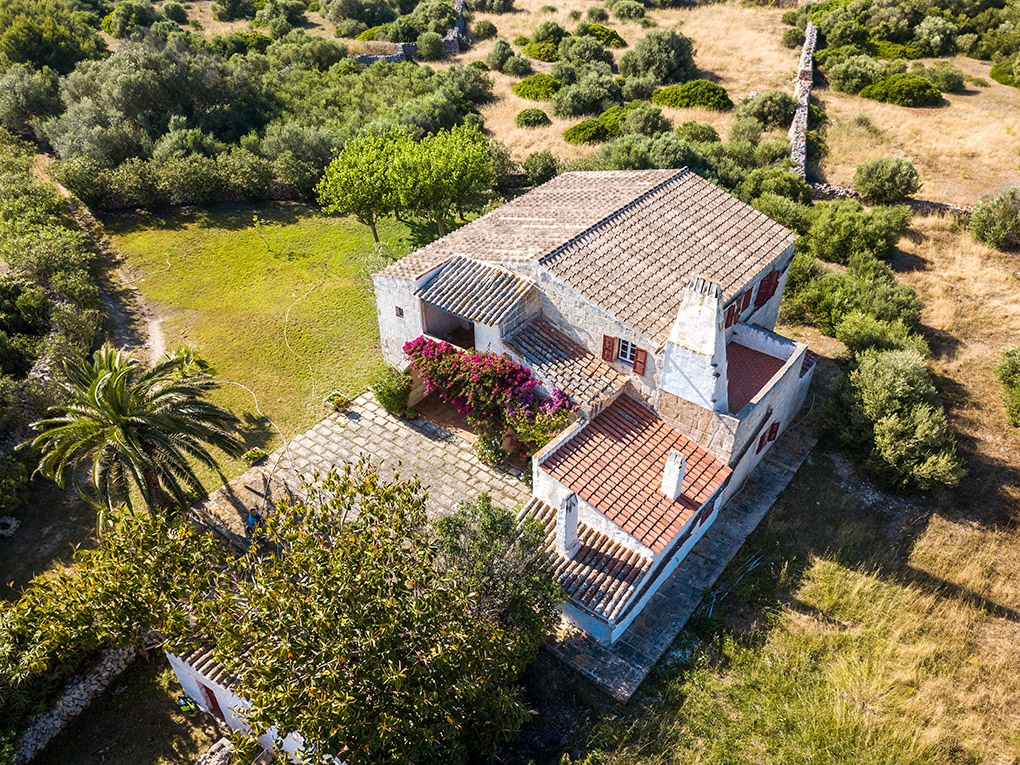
(761, 297)
(640, 358)
(761, 441)
(746, 301)
(774, 431)
(731, 315)
(608, 348)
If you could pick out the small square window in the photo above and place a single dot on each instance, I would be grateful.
(400, 312)
(626, 352)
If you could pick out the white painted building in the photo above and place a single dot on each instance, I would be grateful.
(650, 297)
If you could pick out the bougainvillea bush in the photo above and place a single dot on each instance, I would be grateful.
(496, 394)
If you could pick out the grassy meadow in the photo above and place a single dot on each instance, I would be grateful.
(284, 308)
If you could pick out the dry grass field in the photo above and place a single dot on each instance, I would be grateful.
(962, 150)
(735, 45)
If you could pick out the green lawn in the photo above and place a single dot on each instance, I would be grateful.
(228, 291)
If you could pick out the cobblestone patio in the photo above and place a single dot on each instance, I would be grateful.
(445, 463)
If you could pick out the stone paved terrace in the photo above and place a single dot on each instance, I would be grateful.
(446, 465)
(621, 668)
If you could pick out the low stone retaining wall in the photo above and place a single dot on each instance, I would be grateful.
(826, 192)
(802, 94)
(217, 754)
(78, 694)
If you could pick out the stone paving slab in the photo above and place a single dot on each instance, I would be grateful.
(445, 464)
(621, 668)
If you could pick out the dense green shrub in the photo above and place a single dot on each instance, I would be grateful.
(484, 29)
(666, 56)
(843, 229)
(793, 38)
(695, 93)
(540, 167)
(229, 10)
(645, 119)
(583, 48)
(548, 31)
(606, 36)
(746, 129)
(491, 6)
(627, 10)
(775, 180)
(854, 73)
(1008, 373)
(127, 16)
(537, 87)
(936, 36)
(860, 331)
(543, 51)
(532, 118)
(636, 88)
(517, 66)
(245, 174)
(996, 220)
(189, 179)
(392, 390)
(698, 131)
(430, 46)
(904, 90)
(592, 92)
(174, 11)
(612, 119)
(83, 177)
(28, 96)
(773, 109)
(497, 57)
(280, 16)
(942, 74)
(888, 412)
(135, 182)
(589, 131)
(795, 216)
(597, 14)
(886, 181)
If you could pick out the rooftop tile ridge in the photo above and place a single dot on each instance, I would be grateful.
(680, 174)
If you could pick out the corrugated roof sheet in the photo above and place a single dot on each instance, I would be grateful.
(602, 576)
(561, 363)
(475, 291)
(616, 462)
(637, 262)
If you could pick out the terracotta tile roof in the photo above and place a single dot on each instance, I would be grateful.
(747, 372)
(602, 576)
(615, 463)
(535, 223)
(637, 262)
(561, 363)
(475, 291)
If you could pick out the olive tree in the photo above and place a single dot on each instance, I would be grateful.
(665, 56)
(886, 181)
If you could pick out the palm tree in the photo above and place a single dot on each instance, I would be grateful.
(139, 428)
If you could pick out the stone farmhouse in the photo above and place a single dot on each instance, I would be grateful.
(650, 298)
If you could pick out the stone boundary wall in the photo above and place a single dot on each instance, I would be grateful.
(407, 51)
(825, 192)
(78, 694)
(802, 94)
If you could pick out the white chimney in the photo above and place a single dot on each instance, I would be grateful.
(673, 475)
(567, 542)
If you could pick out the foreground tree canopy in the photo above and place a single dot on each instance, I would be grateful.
(380, 638)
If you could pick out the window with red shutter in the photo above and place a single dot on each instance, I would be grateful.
(608, 348)
(774, 431)
(640, 359)
(761, 296)
(731, 315)
(761, 441)
(746, 302)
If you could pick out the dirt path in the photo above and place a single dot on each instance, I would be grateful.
(132, 323)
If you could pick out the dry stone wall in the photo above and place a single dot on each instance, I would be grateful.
(407, 51)
(802, 94)
(78, 694)
(826, 192)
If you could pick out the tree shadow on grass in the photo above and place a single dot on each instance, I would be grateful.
(232, 216)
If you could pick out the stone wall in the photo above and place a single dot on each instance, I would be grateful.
(407, 51)
(825, 192)
(78, 694)
(802, 94)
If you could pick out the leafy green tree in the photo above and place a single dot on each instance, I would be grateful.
(1008, 373)
(135, 429)
(46, 33)
(444, 174)
(886, 181)
(996, 220)
(360, 179)
(666, 56)
(372, 641)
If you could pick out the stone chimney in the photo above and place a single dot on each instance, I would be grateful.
(567, 543)
(673, 475)
(694, 362)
